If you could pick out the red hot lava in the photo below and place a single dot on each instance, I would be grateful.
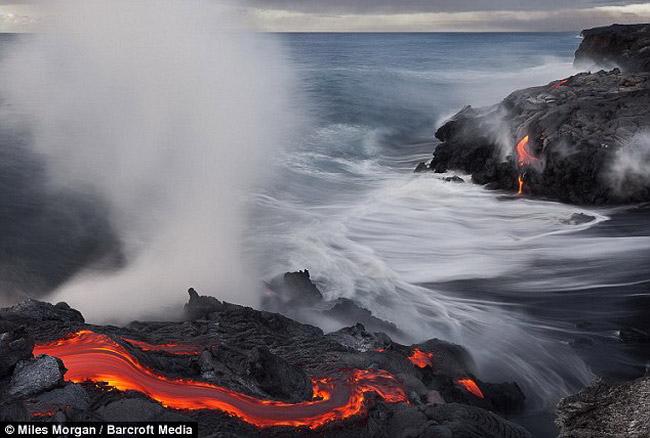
(520, 181)
(92, 356)
(559, 84)
(471, 386)
(169, 348)
(421, 359)
(524, 156)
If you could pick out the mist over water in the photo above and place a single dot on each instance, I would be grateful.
(506, 277)
(165, 113)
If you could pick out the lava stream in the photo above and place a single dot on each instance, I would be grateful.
(523, 154)
(471, 386)
(559, 84)
(421, 359)
(92, 356)
(169, 348)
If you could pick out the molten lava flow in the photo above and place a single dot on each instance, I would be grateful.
(471, 386)
(43, 414)
(525, 158)
(169, 348)
(523, 155)
(92, 356)
(559, 84)
(421, 359)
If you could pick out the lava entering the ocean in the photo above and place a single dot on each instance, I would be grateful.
(525, 158)
(96, 357)
(520, 181)
(421, 359)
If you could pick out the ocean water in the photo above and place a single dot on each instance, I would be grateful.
(533, 299)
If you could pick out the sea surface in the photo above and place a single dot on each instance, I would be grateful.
(533, 298)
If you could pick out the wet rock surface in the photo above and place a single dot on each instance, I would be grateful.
(579, 219)
(294, 294)
(624, 46)
(267, 356)
(584, 137)
(607, 410)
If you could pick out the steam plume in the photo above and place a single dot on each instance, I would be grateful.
(167, 111)
(629, 172)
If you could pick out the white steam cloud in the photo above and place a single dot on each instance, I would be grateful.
(168, 111)
(630, 170)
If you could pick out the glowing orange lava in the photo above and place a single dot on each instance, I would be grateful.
(92, 356)
(169, 348)
(421, 359)
(559, 84)
(471, 386)
(520, 180)
(523, 154)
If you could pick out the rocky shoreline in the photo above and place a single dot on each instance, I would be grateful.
(261, 355)
(581, 140)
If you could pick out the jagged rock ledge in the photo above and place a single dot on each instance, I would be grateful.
(606, 410)
(261, 354)
(587, 138)
(624, 46)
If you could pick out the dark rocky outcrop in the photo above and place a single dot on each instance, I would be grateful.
(294, 294)
(623, 46)
(33, 376)
(604, 410)
(587, 134)
(579, 219)
(15, 346)
(581, 134)
(454, 179)
(263, 355)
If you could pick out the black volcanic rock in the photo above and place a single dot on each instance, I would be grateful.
(579, 219)
(454, 179)
(33, 376)
(270, 357)
(35, 311)
(277, 377)
(581, 134)
(15, 346)
(199, 306)
(348, 312)
(296, 289)
(623, 46)
(604, 410)
(295, 294)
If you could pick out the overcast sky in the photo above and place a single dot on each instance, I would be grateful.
(404, 15)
